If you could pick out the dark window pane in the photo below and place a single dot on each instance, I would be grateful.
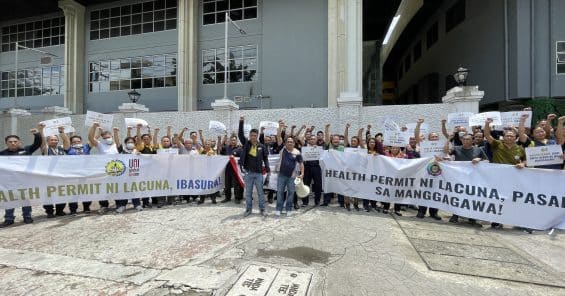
(124, 84)
(37, 33)
(115, 32)
(136, 29)
(220, 77)
(104, 13)
(115, 11)
(171, 24)
(5, 30)
(136, 8)
(220, 17)
(29, 26)
(28, 91)
(158, 82)
(147, 83)
(561, 46)
(126, 31)
(236, 15)
(126, 9)
(62, 39)
(47, 42)
(209, 7)
(29, 35)
(94, 25)
(136, 19)
(222, 5)
(14, 28)
(136, 83)
(171, 13)
(147, 28)
(55, 41)
(115, 22)
(114, 85)
(135, 73)
(209, 19)
(104, 34)
(37, 43)
(147, 6)
(171, 3)
(147, 17)
(560, 68)
(54, 31)
(159, 15)
(250, 2)
(95, 15)
(136, 62)
(104, 23)
(170, 81)
(126, 20)
(159, 26)
(236, 4)
(159, 4)
(46, 33)
(250, 13)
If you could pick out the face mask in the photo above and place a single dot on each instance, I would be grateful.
(130, 146)
(77, 146)
(461, 134)
(109, 141)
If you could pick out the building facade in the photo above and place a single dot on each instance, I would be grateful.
(514, 49)
(288, 54)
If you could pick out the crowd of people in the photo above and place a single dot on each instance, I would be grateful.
(475, 144)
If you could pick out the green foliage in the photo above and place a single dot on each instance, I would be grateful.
(543, 106)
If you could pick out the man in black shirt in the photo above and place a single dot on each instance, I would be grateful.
(231, 149)
(253, 158)
(14, 148)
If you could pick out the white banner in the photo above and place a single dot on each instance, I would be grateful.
(37, 180)
(479, 119)
(105, 120)
(424, 129)
(217, 127)
(526, 197)
(355, 150)
(431, 148)
(133, 122)
(310, 153)
(395, 138)
(544, 155)
(271, 127)
(52, 126)
(459, 119)
(512, 119)
(390, 125)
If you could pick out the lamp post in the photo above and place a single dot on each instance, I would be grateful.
(461, 76)
(134, 96)
(242, 32)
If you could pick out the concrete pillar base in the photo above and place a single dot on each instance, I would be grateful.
(464, 98)
(132, 108)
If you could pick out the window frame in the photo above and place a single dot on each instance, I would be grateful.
(39, 33)
(216, 11)
(557, 53)
(243, 58)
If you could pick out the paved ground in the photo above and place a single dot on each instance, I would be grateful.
(213, 250)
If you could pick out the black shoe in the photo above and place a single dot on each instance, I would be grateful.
(73, 213)
(225, 200)
(385, 211)
(200, 202)
(60, 214)
(86, 210)
(368, 210)
(270, 200)
(214, 200)
(496, 226)
(324, 204)
(238, 201)
(6, 223)
(148, 206)
(296, 207)
(420, 215)
(348, 207)
(453, 219)
(50, 215)
(356, 207)
(28, 220)
(398, 213)
(436, 217)
(475, 224)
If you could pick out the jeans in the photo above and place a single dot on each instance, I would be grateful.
(282, 183)
(254, 179)
(123, 202)
(9, 213)
(313, 173)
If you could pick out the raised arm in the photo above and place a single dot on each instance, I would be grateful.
(37, 138)
(43, 146)
(444, 128)
(117, 137)
(360, 135)
(417, 130)
(200, 133)
(138, 142)
(368, 133)
(240, 131)
(522, 137)
(64, 138)
(302, 129)
(169, 128)
(446, 149)
(346, 134)
(262, 135)
(181, 135)
(560, 132)
(92, 134)
(327, 134)
(279, 133)
(156, 137)
(488, 134)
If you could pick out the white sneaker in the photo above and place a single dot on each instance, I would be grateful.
(289, 213)
(120, 210)
(277, 213)
(102, 210)
(139, 208)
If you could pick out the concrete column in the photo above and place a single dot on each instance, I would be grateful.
(353, 16)
(13, 114)
(187, 71)
(464, 98)
(334, 50)
(74, 55)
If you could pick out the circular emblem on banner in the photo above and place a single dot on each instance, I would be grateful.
(115, 168)
(433, 169)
